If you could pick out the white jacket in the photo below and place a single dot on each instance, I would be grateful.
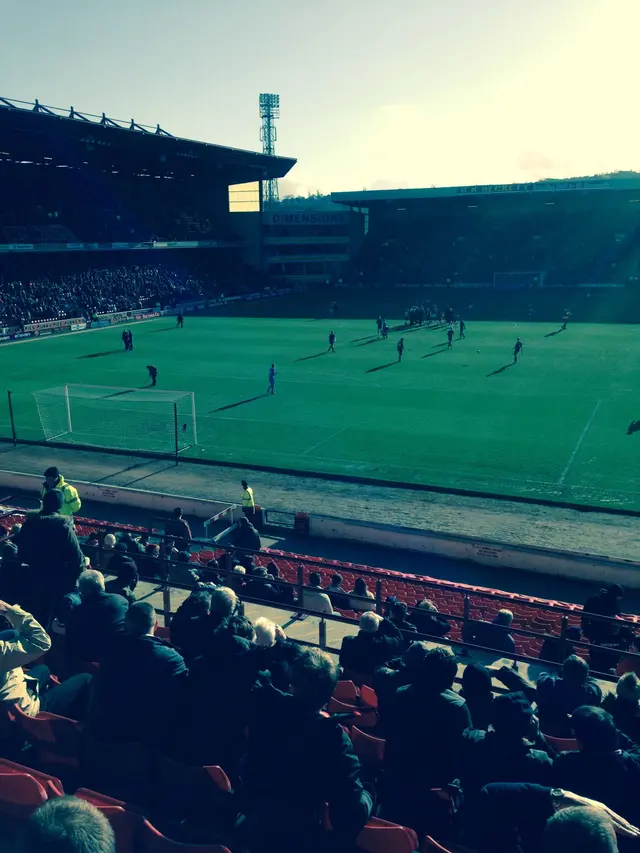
(30, 644)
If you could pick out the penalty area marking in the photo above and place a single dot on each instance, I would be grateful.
(582, 437)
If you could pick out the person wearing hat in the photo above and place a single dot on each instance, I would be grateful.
(53, 479)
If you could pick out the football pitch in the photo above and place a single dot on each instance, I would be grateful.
(556, 425)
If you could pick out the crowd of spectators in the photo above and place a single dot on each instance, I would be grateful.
(571, 240)
(85, 284)
(264, 697)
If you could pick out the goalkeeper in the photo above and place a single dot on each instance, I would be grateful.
(153, 374)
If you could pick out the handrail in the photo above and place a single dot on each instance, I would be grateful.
(378, 576)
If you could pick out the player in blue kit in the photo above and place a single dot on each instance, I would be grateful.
(332, 341)
(272, 380)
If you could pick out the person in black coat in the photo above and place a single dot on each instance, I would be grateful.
(424, 726)
(428, 621)
(274, 652)
(377, 642)
(478, 694)
(492, 635)
(600, 770)
(559, 695)
(125, 570)
(624, 706)
(397, 673)
(92, 626)
(506, 752)
(191, 627)
(298, 764)
(141, 685)
(245, 535)
(49, 545)
(219, 687)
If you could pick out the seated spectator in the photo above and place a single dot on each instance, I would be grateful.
(424, 725)
(629, 663)
(557, 650)
(220, 682)
(67, 825)
(245, 535)
(605, 602)
(238, 580)
(558, 696)
(505, 753)
(125, 582)
(515, 816)
(284, 591)
(150, 565)
(31, 690)
(181, 571)
(179, 529)
(275, 652)
(258, 585)
(377, 641)
(581, 828)
(109, 541)
(191, 626)
(131, 545)
(298, 764)
(313, 596)
(398, 673)
(358, 594)
(600, 770)
(492, 635)
(49, 545)
(398, 614)
(237, 626)
(478, 694)
(13, 578)
(93, 625)
(337, 594)
(624, 706)
(426, 620)
(224, 603)
(141, 683)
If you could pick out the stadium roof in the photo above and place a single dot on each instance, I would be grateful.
(364, 198)
(35, 133)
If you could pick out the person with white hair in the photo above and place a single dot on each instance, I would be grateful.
(492, 635)
(224, 602)
(377, 642)
(275, 652)
(624, 705)
(93, 624)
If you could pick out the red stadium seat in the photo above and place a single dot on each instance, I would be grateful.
(55, 739)
(52, 785)
(562, 744)
(369, 749)
(368, 697)
(347, 692)
(153, 841)
(380, 836)
(20, 794)
(125, 823)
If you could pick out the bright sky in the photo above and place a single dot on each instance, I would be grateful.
(374, 93)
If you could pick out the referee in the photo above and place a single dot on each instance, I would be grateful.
(248, 503)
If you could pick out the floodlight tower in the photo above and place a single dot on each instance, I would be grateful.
(269, 112)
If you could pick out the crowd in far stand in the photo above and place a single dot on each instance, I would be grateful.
(230, 691)
(93, 291)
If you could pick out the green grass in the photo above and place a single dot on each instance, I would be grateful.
(552, 426)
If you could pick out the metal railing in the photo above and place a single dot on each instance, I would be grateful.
(99, 554)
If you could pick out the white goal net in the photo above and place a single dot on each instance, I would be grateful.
(119, 418)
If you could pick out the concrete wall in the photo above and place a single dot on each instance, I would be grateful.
(13, 482)
(564, 564)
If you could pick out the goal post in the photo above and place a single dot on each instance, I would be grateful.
(136, 419)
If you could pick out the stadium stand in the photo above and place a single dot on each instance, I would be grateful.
(582, 235)
(156, 799)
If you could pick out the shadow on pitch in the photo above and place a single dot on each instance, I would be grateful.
(164, 329)
(381, 367)
(437, 352)
(307, 357)
(634, 426)
(241, 403)
(502, 369)
(557, 332)
(101, 354)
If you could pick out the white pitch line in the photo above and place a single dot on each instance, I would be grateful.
(579, 443)
(324, 440)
